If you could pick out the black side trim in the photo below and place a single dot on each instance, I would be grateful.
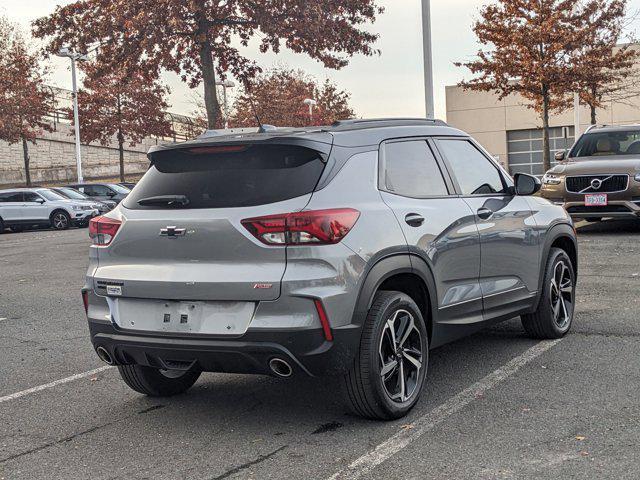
(386, 267)
(555, 232)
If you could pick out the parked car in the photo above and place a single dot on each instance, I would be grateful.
(103, 206)
(102, 191)
(128, 185)
(348, 250)
(600, 176)
(26, 207)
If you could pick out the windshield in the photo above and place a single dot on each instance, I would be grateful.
(599, 144)
(119, 188)
(71, 193)
(51, 195)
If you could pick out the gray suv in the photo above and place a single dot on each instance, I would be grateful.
(349, 250)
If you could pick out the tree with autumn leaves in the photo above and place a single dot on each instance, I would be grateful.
(278, 97)
(24, 98)
(201, 39)
(121, 105)
(544, 50)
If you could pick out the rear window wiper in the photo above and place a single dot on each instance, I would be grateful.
(171, 200)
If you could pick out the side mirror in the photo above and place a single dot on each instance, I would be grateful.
(526, 184)
(560, 156)
(40, 200)
(111, 194)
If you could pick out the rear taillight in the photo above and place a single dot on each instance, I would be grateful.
(314, 227)
(103, 229)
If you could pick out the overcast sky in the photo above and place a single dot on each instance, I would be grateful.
(386, 85)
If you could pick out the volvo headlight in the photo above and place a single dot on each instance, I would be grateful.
(551, 179)
(76, 207)
(637, 177)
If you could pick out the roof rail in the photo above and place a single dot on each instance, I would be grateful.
(591, 127)
(386, 122)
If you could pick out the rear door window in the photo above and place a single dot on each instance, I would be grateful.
(11, 197)
(411, 170)
(228, 176)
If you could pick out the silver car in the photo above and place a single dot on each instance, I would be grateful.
(21, 208)
(349, 250)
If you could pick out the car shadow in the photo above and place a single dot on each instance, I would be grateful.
(315, 404)
(609, 227)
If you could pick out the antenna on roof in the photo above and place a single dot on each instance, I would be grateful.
(253, 107)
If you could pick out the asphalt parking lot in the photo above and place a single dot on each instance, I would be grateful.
(498, 405)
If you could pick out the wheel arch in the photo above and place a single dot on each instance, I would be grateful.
(561, 236)
(404, 273)
(59, 209)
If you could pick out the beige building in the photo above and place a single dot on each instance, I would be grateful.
(512, 132)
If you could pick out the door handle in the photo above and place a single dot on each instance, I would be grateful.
(414, 219)
(484, 213)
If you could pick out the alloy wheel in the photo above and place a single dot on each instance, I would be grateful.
(401, 356)
(561, 296)
(60, 221)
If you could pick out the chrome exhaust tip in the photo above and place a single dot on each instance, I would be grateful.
(104, 355)
(280, 367)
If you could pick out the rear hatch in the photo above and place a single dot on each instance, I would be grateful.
(181, 236)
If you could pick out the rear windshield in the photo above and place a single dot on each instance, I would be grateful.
(607, 144)
(227, 176)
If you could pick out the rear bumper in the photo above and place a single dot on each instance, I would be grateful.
(306, 351)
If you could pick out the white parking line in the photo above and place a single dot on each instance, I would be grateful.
(423, 424)
(2, 318)
(55, 383)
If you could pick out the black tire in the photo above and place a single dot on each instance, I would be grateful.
(60, 220)
(554, 315)
(2, 227)
(154, 383)
(366, 393)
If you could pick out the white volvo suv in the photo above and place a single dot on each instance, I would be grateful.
(26, 207)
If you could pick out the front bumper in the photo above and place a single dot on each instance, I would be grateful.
(306, 351)
(81, 217)
(615, 208)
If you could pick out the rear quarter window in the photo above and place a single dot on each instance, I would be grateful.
(232, 176)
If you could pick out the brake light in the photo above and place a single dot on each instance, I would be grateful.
(314, 227)
(103, 229)
(218, 149)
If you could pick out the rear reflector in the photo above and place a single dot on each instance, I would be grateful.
(85, 301)
(314, 227)
(324, 320)
(103, 229)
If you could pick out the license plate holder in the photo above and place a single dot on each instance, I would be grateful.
(197, 317)
(596, 200)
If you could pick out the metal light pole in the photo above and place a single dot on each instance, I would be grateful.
(427, 54)
(74, 57)
(576, 115)
(311, 102)
(226, 84)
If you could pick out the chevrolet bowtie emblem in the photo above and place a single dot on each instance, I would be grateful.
(173, 232)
